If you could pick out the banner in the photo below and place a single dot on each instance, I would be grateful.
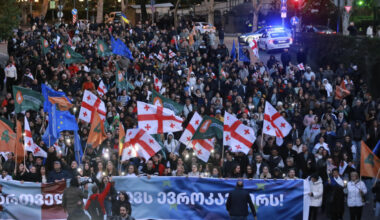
(165, 198)
(204, 198)
(31, 200)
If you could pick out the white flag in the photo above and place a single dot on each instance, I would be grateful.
(156, 119)
(102, 90)
(139, 143)
(190, 129)
(238, 136)
(274, 123)
(91, 103)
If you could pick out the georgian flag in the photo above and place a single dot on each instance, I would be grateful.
(275, 124)
(151, 57)
(102, 90)
(161, 56)
(301, 66)
(157, 119)
(30, 75)
(238, 136)
(139, 143)
(202, 148)
(254, 48)
(28, 140)
(91, 103)
(190, 129)
(29, 143)
(157, 83)
(171, 54)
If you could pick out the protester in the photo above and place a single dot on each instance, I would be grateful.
(238, 201)
(329, 107)
(95, 204)
(72, 200)
(356, 191)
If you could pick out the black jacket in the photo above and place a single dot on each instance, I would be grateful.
(237, 203)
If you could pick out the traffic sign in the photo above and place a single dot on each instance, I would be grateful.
(60, 7)
(294, 20)
(348, 8)
(283, 14)
(60, 14)
(74, 11)
(52, 4)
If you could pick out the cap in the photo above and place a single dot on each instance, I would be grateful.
(218, 111)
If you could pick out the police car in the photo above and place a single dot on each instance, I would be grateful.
(275, 39)
(247, 37)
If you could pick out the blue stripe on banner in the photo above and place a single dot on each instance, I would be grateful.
(204, 198)
(21, 201)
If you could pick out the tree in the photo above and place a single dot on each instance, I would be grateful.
(210, 11)
(45, 5)
(176, 14)
(9, 18)
(346, 17)
(124, 6)
(99, 12)
(322, 12)
(256, 4)
(144, 14)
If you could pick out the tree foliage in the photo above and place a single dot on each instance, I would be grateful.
(318, 12)
(9, 18)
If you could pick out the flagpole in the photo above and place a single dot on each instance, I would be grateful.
(377, 175)
(223, 155)
(85, 150)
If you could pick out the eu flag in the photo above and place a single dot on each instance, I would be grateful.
(77, 148)
(58, 121)
(54, 97)
(119, 48)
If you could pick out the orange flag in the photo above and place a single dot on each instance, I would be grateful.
(341, 91)
(7, 138)
(189, 73)
(97, 134)
(369, 162)
(121, 138)
(19, 151)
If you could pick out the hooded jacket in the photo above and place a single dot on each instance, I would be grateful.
(317, 189)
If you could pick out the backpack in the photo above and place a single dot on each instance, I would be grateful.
(95, 209)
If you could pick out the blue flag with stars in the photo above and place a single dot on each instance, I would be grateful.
(58, 121)
(119, 48)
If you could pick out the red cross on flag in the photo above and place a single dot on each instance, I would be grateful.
(139, 143)
(30, 75)
(157, 119)
(29, 143)
(157, 83)
(28, 140)
(254, 48)
(190, 129)
(161, 56)
(91, 103)
(102, 90)
(171, 54)
(202, 148)
(301, 66)
(237, 135)
(274, 123)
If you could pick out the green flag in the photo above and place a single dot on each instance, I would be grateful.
(6, 121)
(210, 127)
(158, 99)
(26, 99)
(103, 49)
(45, 47)
(72, 57)
(121, 82)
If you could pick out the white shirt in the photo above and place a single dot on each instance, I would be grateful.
(7, 177)
(173, 146)
(11, 71)
(354, 198)
(319, 145)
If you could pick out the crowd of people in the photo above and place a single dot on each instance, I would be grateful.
(323, 146)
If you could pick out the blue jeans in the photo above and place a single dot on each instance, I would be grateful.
(108, 207)
(238, 217)
(377, 210)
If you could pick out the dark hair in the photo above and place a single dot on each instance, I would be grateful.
(74, 182)
(94, 189)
